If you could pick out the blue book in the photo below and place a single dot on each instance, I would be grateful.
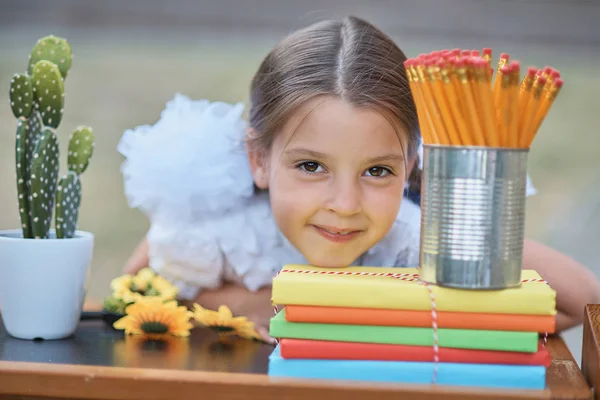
(481, 375)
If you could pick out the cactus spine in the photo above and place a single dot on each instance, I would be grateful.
(37, 101)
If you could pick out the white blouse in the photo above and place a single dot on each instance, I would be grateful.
(189, 174)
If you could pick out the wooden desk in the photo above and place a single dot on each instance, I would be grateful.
(590, 357)
(99, 363)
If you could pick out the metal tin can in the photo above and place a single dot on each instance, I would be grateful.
(473, 216)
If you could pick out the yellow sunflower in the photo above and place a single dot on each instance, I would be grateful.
(224, 323)
(142, 279)
(130, 288)
(159, 286)
(121, 283)
(153, 318)
(127, 296)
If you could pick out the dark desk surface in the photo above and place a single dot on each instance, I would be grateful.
(99, 345)
(101, 363)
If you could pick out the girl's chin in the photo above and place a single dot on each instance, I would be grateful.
(330, 263)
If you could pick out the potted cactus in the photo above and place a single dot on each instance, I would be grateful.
(44, 270)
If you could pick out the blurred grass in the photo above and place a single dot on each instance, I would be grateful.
(116, 85)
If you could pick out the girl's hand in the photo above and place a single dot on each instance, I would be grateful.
(575, 284)
(256, 306)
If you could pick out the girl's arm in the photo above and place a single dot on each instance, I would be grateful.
(256, 306)
(138, 259)
(575, 284)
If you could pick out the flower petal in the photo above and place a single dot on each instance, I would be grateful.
(224, 313)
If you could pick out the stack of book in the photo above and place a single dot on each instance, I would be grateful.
(383, 324)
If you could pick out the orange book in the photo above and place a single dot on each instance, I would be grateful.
(417, 318)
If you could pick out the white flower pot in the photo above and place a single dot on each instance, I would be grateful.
(43, 283)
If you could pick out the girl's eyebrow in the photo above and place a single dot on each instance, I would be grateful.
(391, 157)
(304, 152)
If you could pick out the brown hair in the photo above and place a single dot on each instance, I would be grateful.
(352, 60)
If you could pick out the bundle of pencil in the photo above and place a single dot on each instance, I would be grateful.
(461, 103)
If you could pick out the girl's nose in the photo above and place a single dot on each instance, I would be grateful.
(345, 197)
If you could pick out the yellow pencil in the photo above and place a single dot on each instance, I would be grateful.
(425, 105)
(456, 110)
(502, 62)
(524, 96)
(513, 105)
(422, 104)
(546, 103)
(553, 76)
(487, 55)
(532, 105)
(485, 102)
(434, 73)
(451, 66)
(466, 92)
(434, 112)
(423, 123)
(502, 116)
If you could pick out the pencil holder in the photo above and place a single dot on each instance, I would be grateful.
(473, 216)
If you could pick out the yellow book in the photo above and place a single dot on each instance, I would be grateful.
(392, 288)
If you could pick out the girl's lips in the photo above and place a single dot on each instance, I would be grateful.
(337, 235)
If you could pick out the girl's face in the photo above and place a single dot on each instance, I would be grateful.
(335, 175)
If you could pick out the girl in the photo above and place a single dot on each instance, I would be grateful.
(321, 175)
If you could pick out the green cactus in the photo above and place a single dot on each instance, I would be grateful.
(68, 195)
(37, 101)
(81, 148)
(54, 49)
(28, 132)
(21, 95)
(48, 91)
(35, 126)
(68, 200)
(22, 176)
(44, 173)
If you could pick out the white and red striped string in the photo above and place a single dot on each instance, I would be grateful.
(402, 277)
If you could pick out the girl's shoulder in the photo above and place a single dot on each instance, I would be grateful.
(400, 247)
(189, 165)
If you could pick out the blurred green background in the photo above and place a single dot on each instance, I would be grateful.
(131, 57)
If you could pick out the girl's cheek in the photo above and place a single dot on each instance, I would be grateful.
(383, 200)
(293, 182)
(289, 188)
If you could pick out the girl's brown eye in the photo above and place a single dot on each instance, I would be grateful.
(376, 171)
(311, 166)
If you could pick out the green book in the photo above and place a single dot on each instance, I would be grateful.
(526, 342)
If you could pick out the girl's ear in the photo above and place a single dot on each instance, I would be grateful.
(258, 165)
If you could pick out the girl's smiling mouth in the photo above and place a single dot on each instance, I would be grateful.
(337, 235)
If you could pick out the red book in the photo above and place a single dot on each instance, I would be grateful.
(330, 350)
